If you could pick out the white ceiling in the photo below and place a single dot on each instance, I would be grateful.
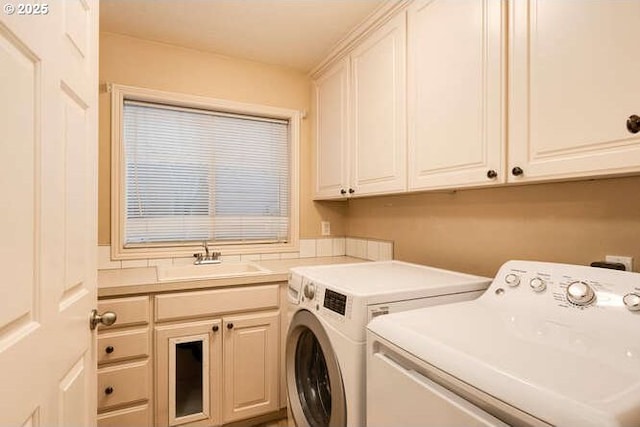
(293, 33)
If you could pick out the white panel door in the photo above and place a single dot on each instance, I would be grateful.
(48, 146)
(574, 68)
(332, 132)
(378, 142)
(456, 94)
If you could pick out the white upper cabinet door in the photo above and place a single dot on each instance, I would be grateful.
(378, 142)
(332, 132)
(456, 93)
(574, 68)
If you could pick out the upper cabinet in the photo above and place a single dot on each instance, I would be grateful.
(361, 118)
(497, 92)
(456, 94)
(574, 67)
(378, 137)
(332, 106)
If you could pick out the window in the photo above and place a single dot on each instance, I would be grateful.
(188, 169)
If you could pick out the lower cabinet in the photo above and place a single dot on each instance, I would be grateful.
(217, 371)
(216, 357)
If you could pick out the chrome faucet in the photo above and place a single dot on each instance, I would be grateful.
(209, 257)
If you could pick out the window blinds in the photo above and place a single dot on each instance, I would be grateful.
(193, 175)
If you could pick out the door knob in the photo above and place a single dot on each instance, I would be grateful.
(107, 318)
(517, 171)
(229, 325)
(492, 174)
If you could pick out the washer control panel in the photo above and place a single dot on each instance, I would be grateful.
(566, 286)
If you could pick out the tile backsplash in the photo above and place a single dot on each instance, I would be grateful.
(374, 250)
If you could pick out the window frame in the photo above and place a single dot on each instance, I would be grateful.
(120, 93)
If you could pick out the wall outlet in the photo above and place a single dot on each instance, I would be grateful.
(326, 228)
(626, 260)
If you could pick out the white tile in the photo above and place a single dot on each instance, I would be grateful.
(183, 261)
(386, 251)
(230, 258)
(267, 257)
(250, 257)
(350, 246)
(104, 259)
(289, 255)
(324, 247)
(160, 261)
(373, 250)
(133, 263)
(339, 246)
(307, 248)
(357, 248)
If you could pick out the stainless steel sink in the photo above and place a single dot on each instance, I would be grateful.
(208, 271)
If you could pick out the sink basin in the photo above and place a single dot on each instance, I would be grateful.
(208, 271)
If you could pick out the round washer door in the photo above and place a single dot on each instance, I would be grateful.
(314, 382)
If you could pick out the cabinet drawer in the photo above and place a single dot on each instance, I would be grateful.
(130, 311)
(128, 383)
(214, 302)
(122, 345)
(138, 416)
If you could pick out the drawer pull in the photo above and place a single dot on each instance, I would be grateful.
(109, 349)
(229, 325)
(108, 390)
(215, 328)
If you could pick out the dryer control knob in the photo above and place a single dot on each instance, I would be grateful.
(632, 301)
(537, 284)
(579, 293)
(512, 280)
(310, 290)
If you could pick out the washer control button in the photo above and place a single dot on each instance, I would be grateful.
(537, 284)
(512, 280)
(310, 290)
(632, 301)
(579, 293)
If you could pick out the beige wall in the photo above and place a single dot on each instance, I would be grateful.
(477, 230)
(130, 61)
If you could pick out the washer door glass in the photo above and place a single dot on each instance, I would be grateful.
(312, 380)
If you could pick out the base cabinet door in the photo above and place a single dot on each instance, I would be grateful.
(573, 70)
(189, 383)
(251, 365)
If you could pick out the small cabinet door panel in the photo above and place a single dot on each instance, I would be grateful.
(574, 70)
(455, 93)
(378, 143)
(251, 365)
(188, 381)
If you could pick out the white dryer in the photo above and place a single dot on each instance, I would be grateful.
(329, 308)
(547, 344)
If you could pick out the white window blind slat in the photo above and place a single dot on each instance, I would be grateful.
(192, 175)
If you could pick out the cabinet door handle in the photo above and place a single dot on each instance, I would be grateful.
(633, 124)
(229, 325)
(351, 191)
(215, 328)
(109, 349)
(517, 171)
(492, 174)
(343, 191)
(108, 390)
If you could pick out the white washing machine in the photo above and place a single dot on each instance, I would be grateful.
(329, 307)
(546, 344)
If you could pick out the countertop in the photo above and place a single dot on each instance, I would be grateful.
(132, 281)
